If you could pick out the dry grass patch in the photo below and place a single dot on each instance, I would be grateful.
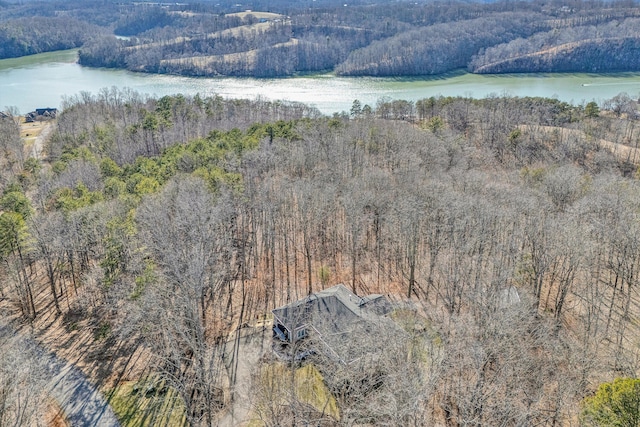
(278, 390)
(235, 31)
(30, 131)
(259, 15)
(211, 63)
(54, 417)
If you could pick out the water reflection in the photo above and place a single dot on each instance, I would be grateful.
(43, 80)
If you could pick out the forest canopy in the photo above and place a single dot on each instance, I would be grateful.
(173, 224)
(28, 36)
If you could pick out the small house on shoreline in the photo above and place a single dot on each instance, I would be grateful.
(41, 114)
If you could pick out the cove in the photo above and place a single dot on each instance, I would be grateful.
(43, 80)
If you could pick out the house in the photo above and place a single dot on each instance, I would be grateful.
(329, 317)
(41, 114)
(4, 115)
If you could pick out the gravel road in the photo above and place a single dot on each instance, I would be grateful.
(38, 144)
(80, 401)
(252, 346)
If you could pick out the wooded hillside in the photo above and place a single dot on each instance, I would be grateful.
(177, 222)
(589, 48)
(28, 36)
(372, 39)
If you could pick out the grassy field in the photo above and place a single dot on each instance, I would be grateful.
(259, 15)
(30, 131)
(34, 135)
(146, 403)
(275, 392)
(210, 62)
(235, 32)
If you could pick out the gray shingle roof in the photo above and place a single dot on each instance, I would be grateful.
(334, 317)
(334, 308)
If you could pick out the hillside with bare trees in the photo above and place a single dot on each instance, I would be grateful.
(155, 235)
(358, 38)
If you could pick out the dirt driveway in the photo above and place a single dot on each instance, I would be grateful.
(254, 342)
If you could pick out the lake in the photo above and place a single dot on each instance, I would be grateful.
(42, 81)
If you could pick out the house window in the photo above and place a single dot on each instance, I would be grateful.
(301, 333)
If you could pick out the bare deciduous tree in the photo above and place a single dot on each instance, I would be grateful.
(187, 236)
(22, 382)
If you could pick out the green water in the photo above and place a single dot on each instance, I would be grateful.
(61, 56)
(44, 80)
